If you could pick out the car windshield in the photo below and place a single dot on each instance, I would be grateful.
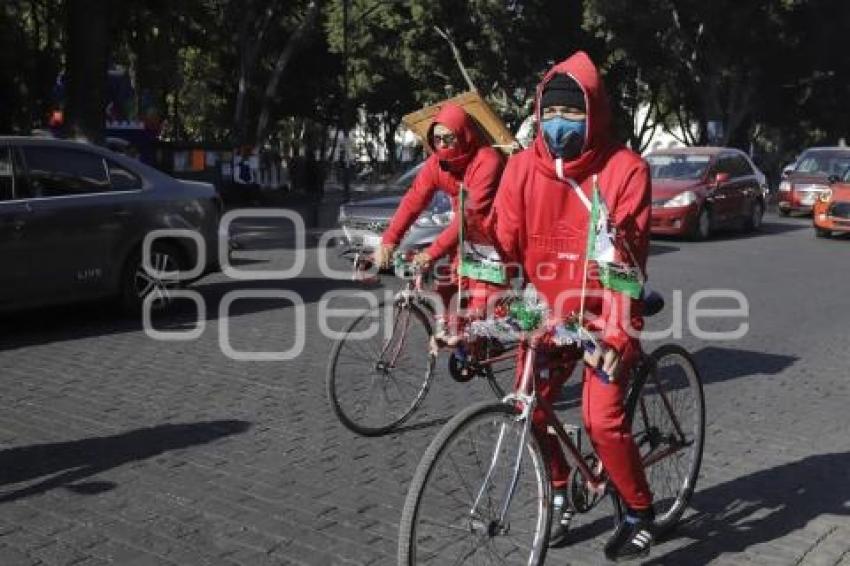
(687, 167)
(823, 163)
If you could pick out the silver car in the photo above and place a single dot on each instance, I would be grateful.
(365, 221)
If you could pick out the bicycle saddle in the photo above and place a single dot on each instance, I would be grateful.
(653, 302)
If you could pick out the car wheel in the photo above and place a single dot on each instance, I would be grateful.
(821, 233)
(137, 283)
(784, 212)
(703, 227)
(753, 221)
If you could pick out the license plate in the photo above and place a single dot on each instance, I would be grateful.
(371, 241)
(807, 199)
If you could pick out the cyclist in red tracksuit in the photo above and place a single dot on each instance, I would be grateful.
(458, 157)
(540, 220)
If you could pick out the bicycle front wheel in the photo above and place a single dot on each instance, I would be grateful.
(667, 409)
(381, 369)
(480, 495)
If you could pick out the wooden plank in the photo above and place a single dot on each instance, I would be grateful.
(491, 127)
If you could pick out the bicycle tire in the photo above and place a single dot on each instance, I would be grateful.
(346, 411)
(431, 470)
(671, 498)
(501, 378)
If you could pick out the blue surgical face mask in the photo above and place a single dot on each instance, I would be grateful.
(564, 137)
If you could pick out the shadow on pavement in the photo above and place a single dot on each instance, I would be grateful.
(63, 464)
(768, 228)
(72, 322)
(660, 249)
(713, 363)
(762, 507)
(717, 364)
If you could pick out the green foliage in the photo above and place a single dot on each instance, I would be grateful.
(770, 72)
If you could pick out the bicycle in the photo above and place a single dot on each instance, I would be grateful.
(375, 384)
(482, 488)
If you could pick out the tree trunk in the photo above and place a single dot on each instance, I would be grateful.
(239, 126)
(250, 46)
(280, 66)
(390, 127)
(87, 48)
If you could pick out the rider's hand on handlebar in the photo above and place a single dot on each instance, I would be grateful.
(605, 359)
(383, 256)
(422, 260)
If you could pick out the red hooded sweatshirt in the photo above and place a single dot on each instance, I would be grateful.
(541, 222)
(470, 162)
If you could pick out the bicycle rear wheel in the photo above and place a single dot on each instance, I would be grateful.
(380, 371)
(667, 410)
(500, 375)
(453, 510)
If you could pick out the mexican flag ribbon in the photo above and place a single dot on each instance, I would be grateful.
(600, 249)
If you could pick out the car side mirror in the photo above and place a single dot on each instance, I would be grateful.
(832, 179)
(721, 178)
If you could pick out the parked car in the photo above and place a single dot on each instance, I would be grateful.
(696, 190)
(365, 221)
(831, 212)
(73, 218)
(810, 176)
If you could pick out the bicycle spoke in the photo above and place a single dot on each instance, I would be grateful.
(668, 429)
(475, 461)
(378, 381)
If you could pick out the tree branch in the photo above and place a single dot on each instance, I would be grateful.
(458, 60)
(280, 66)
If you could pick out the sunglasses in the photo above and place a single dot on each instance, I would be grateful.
(445, 139)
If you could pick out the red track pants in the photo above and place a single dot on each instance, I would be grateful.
(605, 421)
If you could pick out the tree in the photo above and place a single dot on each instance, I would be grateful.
(87, 49)
(31, 49)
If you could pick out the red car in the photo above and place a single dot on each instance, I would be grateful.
(810, 177)
(696, 190)
(831, 212)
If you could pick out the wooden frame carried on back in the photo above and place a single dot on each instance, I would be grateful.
(489, 125)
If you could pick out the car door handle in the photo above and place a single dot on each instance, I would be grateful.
(122, 212)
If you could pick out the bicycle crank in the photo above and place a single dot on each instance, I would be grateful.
(582, 494)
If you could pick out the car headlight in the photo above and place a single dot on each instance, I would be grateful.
(784, 187)
(684, 199)
(440, 219)
(826, 195)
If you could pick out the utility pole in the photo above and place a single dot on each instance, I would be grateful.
(346, 104)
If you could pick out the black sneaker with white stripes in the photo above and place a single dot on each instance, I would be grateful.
(633, 537)
(562, 514)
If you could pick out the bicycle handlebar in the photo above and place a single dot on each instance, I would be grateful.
(558, 334)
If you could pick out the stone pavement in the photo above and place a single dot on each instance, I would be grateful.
(119, 449)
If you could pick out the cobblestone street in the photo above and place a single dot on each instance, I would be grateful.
(119, 449)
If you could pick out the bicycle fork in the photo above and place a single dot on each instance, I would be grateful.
(528, 406)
